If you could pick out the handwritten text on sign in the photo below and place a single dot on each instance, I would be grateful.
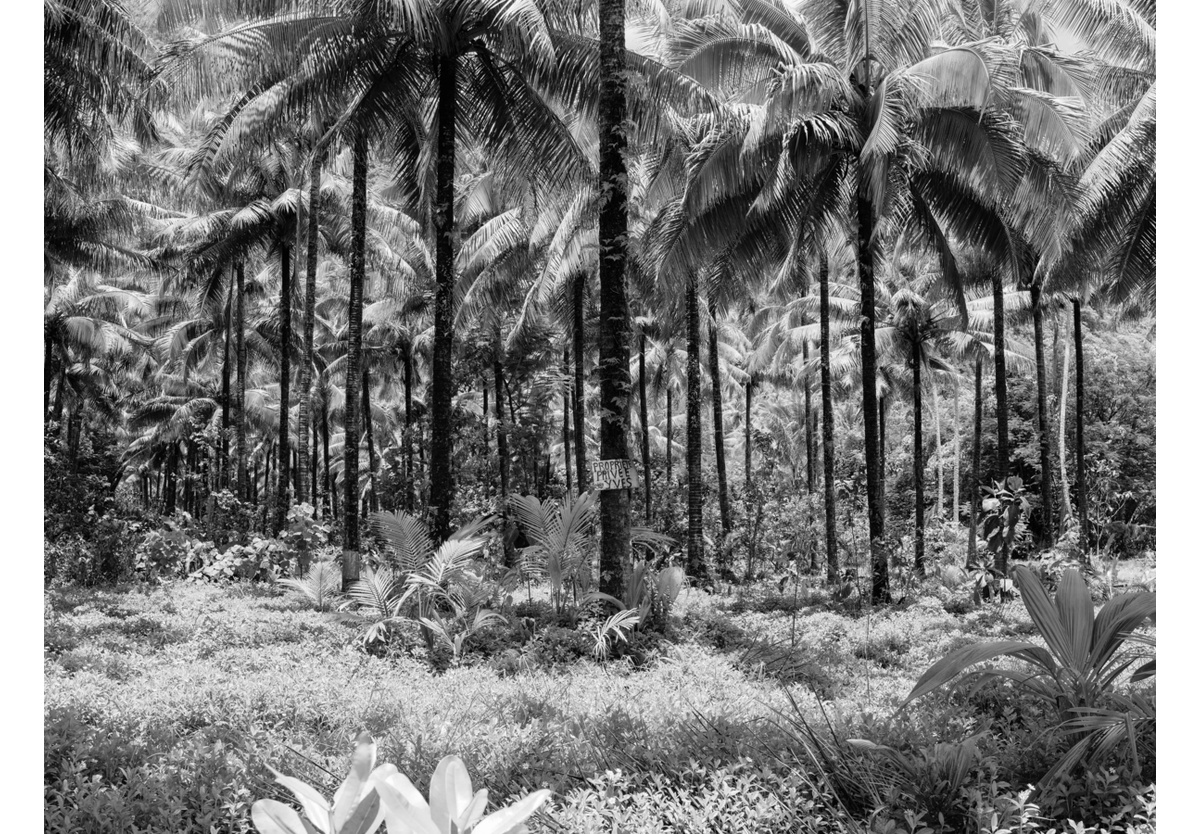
(611, 474)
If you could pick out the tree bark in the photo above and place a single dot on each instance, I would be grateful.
(939, 507)
(749, 433)
(48, 364)
(410, 473)
(615, 385)
(645, 419)
(441, 487)
(810, 445)
(1047, 479)
(172, 466)
(330, 484)
(358, 273)
(1001, 400)
(566, 420)
(977, 442)
(696, 566)
(880, 592)
(1080, 446)
(1062, 436)
(283, 496)
(831, 551)
(918, 461)
(243, 485)
(957, 457)
(581, 470)
(714, 372)
(226, 384)
(670, 441)
(501, 431)
(310, 302)
(369, 428)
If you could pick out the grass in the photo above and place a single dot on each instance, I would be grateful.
(181, 694)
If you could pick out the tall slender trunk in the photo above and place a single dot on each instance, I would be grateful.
(310, 302)
(749, 432)
(670, 435)
(1001, 400)
(369, 428)
(884, 404)
(957, 457)
(227, 360)
(645, 419)
(714, 372)
(48, 365)
(330, 484)
(441, 487)
(1062, 437)
(880, 592)
(977, 442)
(1049, 533)
(1080, 446)
(60, 397)
(283, 497)
(410, 473)
(501, 430)
(358, 274)
(566, 419)
(831, 551)
(696, 566)
(581, 470)
(314, 468)
(939, 509)
(242, 481)
(810, 445)
(918, 461)
(172, 466)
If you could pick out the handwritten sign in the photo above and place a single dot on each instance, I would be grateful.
(612, 474)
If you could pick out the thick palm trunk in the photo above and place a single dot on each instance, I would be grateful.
(939, 507)
(615, 385)
(644, 416)
(172, 466)
(1080, 464)
(918, 464)
(310, 301)
(831, 552)
(976, 443)
(441, 486)
(696, 566)
(369, 428)
(566, 419)
(1047, 480)
(957, 458)
(358, 270)
(714, 372)
(749, 433)
(670, 435)
(240, 269)
(283, 497)
(581, 470)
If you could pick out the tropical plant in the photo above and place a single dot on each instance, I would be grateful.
(648, 594)
(560, 533)
(320, 585)
(1084, 654)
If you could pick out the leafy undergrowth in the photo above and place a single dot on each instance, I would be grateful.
(164, 707)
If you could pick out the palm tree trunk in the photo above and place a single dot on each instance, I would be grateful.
(714, 372)
(60, 393)
(1001, 400)
(615, 385)
(581, 470)
(957, 457)
(566, 419)
(749, 432)
(283, 498)
(441, 487)
(1062, 437)
(670, 441)
(696, 566)
(884, 404)
(977, 442)
(880, 591)
(368, 422)
(645, 419)
(172, 467)
(358, 274)
(1049, 534)
(918, 463)
(409, 470)
(330, 490)
(314, 468)
(310, 302)
(810, 447)
(501, 431)
(241, 383)
(1080, 466)
(226, 376)
(48, 362)
(939, 508)
(831, 551)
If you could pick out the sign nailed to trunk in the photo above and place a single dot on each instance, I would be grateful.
(612, 474)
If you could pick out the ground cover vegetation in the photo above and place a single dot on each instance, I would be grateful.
(344, 298)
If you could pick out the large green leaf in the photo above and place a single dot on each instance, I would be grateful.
(957, 662)
(273, 817)
(1044, 614)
